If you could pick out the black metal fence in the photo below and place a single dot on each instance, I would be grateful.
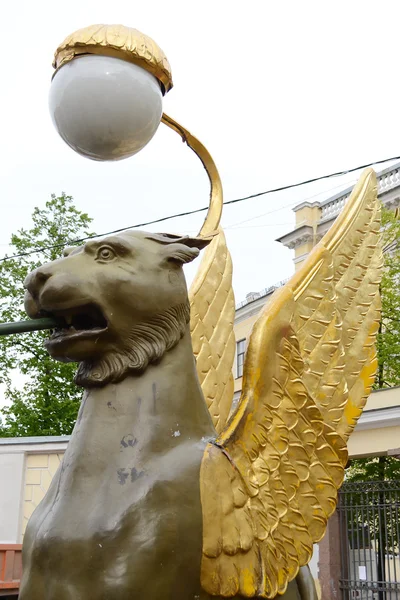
(370, 535)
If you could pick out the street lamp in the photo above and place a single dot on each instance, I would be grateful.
(106, 103)
(106, 93)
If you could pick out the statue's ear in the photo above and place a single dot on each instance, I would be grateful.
(180, 249)
(179, 253)
(191, 242)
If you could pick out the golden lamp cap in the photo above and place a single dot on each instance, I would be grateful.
(117, 41)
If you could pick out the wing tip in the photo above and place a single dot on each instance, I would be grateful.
(368, 175)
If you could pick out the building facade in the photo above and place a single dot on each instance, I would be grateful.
(313, 219)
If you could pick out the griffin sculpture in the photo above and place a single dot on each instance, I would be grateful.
(161, 492)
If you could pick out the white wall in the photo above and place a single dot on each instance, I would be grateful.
(313, 564)
(15, 453)
(11, 488)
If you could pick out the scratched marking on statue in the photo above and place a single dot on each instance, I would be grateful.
(154, 390)
(124, 473)
(128, 441)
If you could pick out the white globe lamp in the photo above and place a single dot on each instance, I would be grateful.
(106, 94)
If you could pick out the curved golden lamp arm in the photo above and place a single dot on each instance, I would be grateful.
(213, 217)
(209, 227)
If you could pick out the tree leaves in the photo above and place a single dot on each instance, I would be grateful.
(389, 334)
(41, 395)
(388, 345)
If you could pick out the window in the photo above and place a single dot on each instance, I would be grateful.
(240, 349)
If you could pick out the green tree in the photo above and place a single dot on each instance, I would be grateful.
(388, 345)
(382, 468)
(41, 396)
(389, 333)
(376, 468)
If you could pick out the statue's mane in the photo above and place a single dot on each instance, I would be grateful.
(145, 344)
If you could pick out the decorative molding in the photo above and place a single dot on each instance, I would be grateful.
(299, 236)
(35, 445)
(333, 207)
(306, 204)
(388, 180)
(392, 203)
(299, 259)
(255, 301)
(395, 452)
(388, 192)
(250, 309)
(379, 418)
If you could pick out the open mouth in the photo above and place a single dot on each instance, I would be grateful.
(82, 320)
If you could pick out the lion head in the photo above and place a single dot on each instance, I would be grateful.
(121, 302)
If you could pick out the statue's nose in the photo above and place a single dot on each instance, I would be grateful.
(35, 280)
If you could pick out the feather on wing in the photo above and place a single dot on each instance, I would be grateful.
(270, 481)
(212, 309)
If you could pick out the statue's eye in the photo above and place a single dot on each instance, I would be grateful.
(105, 253)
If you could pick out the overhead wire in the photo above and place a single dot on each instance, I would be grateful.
(198, 210)
(291, 205)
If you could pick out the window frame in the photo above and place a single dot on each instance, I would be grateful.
(240, 357)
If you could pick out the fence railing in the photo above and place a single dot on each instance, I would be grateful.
(370, 535)
(265, 292)
(387, 180)
(10, 568)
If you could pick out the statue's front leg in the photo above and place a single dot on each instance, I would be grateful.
(305, 583)
(301, 588)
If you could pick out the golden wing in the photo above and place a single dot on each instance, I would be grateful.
(212, 310)
(269, 483)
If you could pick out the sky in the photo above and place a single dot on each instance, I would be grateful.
(278, 92)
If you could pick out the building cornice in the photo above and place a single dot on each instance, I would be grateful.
(34, 444)
(299, 259)
(388, 192)
(306, 204)
(378, 418)
(299, 236)
(252, 308)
